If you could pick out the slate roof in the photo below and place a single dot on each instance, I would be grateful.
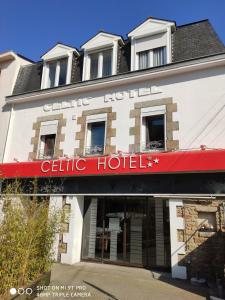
(190, 41)
(195, 40)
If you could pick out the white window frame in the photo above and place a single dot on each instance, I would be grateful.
(87, 66)
(134, 52)
(40, 143)
(94, 119)
(45, 75)
(148, 112)
(150, 57)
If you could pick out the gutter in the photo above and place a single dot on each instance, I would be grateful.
(122, 79)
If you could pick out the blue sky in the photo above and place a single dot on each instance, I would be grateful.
(32, 27)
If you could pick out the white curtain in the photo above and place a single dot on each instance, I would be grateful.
(94, 66)
(107, 63)
(159, 56)
(143, 60)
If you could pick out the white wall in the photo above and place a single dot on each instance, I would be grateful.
(9, 71)
(200, 99)
(176, 246)
(73, 238)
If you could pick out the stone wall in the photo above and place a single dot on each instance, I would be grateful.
(204, 249)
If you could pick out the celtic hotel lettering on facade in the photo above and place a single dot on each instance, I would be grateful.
(117, 96)
(98, 165)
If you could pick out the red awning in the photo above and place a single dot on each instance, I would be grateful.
(148, 163)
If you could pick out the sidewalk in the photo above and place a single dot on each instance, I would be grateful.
(103, 282)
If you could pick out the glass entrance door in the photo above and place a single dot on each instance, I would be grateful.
(120, 230)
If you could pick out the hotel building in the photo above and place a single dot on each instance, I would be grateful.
(128, 134)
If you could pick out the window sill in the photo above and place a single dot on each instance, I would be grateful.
(153, 150)
(206, 234)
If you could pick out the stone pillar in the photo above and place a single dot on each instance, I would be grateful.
(73, 238)
(55, 203)
(160, 251)
(177, 248)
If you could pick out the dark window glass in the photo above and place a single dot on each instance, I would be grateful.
(63, 71)
(97, 134)
(49, 146)
(97, 139)
(107, 63)
(155, 132)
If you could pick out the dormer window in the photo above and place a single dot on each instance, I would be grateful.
(57, 72)
(101, 64)
(57, 66)
(152, 58)
(151, 44)
(100, 56)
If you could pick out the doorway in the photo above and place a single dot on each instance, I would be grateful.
(120, 230)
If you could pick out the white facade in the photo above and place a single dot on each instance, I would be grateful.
(199, 95)
(10, 64)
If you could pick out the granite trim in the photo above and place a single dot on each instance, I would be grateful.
(60, 137)
(110, 131)
(171, 125)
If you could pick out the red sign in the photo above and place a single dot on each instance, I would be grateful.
(151, 163)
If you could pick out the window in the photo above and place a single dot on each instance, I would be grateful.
(95, 138)
(63, 71)
(207, 221)
(57, 73)
(101, 64)
(94, 66)
(47, 146)
(107, 63)
(144, 61)
(152, 58)
(52, 71)
(159, 56)
(154, 133)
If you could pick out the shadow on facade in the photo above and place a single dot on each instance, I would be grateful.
(206, 261)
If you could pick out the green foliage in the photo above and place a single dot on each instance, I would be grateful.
(27, 234)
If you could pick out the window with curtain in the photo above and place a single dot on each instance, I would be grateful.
(57, 72)
(159, 56)
(95, 138)
(63, 71)
(154, 132)
(107, 63)
(101, 64)
(52, 73)
(94, 65)
(144, 61)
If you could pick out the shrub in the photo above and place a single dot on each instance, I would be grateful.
(27, 234)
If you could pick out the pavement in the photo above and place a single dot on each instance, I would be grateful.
(92, 281)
